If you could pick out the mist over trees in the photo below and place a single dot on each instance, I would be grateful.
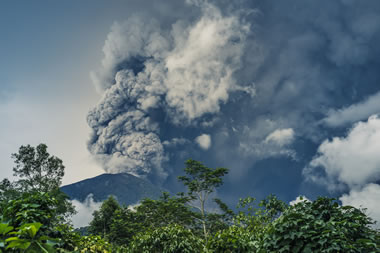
(35, 217)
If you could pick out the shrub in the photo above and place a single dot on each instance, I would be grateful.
(173, 238)
(321, 226)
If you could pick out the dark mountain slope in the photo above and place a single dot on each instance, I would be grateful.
(128, 189)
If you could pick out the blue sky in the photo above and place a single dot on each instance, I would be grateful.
(283, 93)
(46, 55)
(47, 51)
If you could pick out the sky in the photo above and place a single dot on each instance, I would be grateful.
(285, 94)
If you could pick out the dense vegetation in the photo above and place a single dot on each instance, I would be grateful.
(35, 217)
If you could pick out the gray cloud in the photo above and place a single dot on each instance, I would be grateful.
(134, 38)
(243, 72)
(281, 137)
(184, 72)
(176, 142)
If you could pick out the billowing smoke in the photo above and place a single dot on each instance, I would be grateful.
(254, 86)
(182, 73)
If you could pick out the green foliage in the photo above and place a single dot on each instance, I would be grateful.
(125, 224)
(258, 218)
(37, 170)
(26, 238)
(221, 220)
(31, 219)
(321, 226)
(7, 191)
(201, 181)
(31, 208)
(165, 211)
(36, 219)
(173, 238)
(93, 244)
(4, 230)
(68, 239)
(233, 239)
(101, 224)
(150, 214)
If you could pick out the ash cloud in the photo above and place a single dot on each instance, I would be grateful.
(265, 79)
(182, 73)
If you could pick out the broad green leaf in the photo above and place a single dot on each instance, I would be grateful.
(5, 228)
(19, 244)
(31, 228)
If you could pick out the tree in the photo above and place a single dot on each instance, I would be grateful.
(150, 214)
(37, 172)
(165, 211)
(102, 221)
(126, 223)
(201, 181)
(7, 191)
(37, 169)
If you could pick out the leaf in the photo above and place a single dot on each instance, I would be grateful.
(307, 249)
(31, 228)
(12, 239)
(5, 228)
(19, 244)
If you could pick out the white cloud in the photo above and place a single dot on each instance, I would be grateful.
(175, 142)
(368, 197)
(281, 137)
(298, 200)
(266, 138)
(354, 113)
(134, 207)
(204, 141)
(84, 211)
(351, 161)
(201, 65)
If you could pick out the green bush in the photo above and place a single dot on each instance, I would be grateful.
(233, 239)
(26, 238)
(170, 239)
(321, 226)
(93, 244)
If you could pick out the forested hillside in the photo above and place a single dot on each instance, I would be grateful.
(35, 217)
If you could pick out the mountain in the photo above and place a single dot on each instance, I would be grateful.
(127, 189)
